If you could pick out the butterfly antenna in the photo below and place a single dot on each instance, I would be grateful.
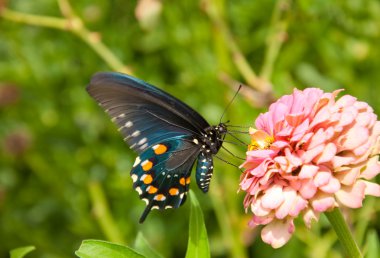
(234, 143)
(233, 155)
(227, 162)
(239, 126)
(229, 104)
(236, 138)
(234, 131)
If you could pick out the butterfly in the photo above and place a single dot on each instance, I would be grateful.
(168, 135)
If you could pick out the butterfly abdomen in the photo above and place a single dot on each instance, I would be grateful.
(204, 171)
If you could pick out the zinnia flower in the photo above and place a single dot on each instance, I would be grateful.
(309, 154)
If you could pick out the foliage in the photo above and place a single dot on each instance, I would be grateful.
(64, 169)
(103, 249)
(21, 251)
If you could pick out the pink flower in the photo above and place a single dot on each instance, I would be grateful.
(309, 154)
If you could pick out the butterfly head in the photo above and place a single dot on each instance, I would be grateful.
(221, 129)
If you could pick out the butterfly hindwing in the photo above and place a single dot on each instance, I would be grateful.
(161, 174)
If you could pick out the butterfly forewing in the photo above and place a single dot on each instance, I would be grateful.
(133, 103)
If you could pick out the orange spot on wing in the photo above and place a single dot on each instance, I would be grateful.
(159, 149)
(147, 165)
(147, 179)
(152, 189)
(182, 181)
(188, 180)
(173, 191)
(160, 197)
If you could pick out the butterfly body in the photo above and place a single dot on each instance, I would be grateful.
(168, 136)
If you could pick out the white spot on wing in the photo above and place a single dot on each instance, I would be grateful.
(142, 177)
(128, 124)
(138, 189)
(168, 207)
(196, 141)
(137, 161)
(135, 133)
(146, 201)
(144, 162)
(134, 177)
(142, 141)
(144, 146)
(155, 207)
(162, 199)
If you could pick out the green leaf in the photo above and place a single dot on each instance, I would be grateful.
(373, 247)
(21, 251)
(144, 247)
(198, 242)
(103, 249)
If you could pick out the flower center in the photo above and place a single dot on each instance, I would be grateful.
(260, 140)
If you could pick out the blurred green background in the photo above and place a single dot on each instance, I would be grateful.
(63, 164)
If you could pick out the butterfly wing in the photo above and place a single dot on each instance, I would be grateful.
(161, 174)
(144, 114)
(160, 128)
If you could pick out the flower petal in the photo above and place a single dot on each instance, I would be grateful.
(331, 187)
(273, 197)
(309, 216)
(327, 154)
(277, 233)
(372, 189)
(323, 202)
(308, 171)
(372, 168)
(352, 196)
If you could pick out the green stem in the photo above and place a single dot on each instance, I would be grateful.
(211, 7)
(102, 213)
(71, 23)
(275, 39)
(343, 232)
(36, 20)
(93, 40)
(223, 215)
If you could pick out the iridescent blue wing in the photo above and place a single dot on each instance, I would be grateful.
(161, 174)
(144, 114)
